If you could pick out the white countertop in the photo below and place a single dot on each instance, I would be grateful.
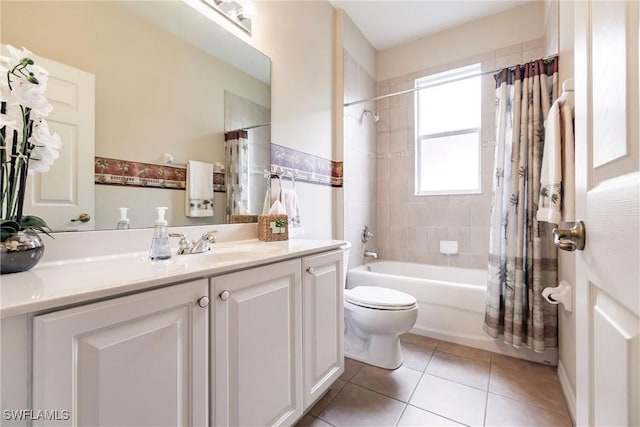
(60, 283)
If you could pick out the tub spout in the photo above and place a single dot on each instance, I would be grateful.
(371, 254)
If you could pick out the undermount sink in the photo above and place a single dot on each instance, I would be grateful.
(228, 253)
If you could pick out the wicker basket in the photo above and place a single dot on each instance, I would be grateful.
(268, 231)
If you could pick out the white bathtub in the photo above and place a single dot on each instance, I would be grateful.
(450, 303)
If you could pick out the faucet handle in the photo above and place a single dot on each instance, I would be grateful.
(209, 236)
(185, 243)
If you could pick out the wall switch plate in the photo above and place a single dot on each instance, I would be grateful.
(448, 247)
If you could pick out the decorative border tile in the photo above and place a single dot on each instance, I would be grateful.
(306, 167)
(136, 174)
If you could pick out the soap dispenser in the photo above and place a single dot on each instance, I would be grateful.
(160, 243)
(123, 222)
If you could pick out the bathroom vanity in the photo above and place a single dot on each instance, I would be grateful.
(250, 333)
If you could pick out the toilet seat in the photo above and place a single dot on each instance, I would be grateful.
(379, 298)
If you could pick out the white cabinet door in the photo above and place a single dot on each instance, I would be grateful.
(138, 360)
(258, 346)
(323, 323)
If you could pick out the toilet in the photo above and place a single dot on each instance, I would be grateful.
(374, 319)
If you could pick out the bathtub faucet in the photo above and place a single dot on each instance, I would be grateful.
(371, 254)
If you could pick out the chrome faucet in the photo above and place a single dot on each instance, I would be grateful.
(371, 254)
(186, 246)
(202, 245)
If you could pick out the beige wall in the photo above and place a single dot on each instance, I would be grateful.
(359, 47)
(516, 25)
(298, 37)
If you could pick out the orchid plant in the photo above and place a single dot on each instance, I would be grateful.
(26, 144)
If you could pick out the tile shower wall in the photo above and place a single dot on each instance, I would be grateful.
(359, 159)
(410, 227)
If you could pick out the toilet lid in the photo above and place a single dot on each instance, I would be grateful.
(380, 298)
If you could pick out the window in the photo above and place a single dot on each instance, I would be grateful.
(448, 132)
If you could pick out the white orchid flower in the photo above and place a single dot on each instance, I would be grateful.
(26, 81)
(28, 142)
(43, 156)
(14, 57)
(30, 96)
(42, 137)
(41, 159)
(26, 68)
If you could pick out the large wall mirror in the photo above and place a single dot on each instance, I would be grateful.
(164, 79)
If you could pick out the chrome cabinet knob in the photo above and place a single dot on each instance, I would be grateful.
(203, 301)
(310, 270)
(570, 239)
(224, 295)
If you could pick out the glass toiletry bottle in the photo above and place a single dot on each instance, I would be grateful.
(123, 222)
(160, 243)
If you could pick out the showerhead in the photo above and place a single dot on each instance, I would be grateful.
(375, 115)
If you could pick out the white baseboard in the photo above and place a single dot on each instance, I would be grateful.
(568, 391)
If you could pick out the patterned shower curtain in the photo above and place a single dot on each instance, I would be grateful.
(237, 172)
(522, 258)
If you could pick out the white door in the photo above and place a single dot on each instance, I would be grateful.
(258, 346)
(607, 183)
(66, 191)
(139, 360)
(323, 323)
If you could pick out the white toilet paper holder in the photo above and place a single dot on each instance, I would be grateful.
(561, 294)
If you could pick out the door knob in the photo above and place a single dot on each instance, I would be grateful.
(203, 301)
(570, 239)
(84, 217)
(310, 270)
(224, 295)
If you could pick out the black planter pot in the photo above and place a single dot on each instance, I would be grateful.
(20, 252)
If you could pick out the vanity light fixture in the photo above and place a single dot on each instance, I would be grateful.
(240, 12)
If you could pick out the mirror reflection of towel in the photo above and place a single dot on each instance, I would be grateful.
(199, 191)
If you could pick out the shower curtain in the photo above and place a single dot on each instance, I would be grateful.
(522, 257)
(237, 172)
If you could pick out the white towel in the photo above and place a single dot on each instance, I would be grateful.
(568, 161)
(292, 208)
(557, 176)
(284, 201)
(266, 205)
(199, 191)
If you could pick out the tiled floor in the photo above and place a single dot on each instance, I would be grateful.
(443, 384)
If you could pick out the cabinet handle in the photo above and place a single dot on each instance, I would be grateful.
(203, 301)
(310, 270)
(224, 295)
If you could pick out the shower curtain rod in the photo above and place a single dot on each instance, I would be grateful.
(416, 89)
(256, 126)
